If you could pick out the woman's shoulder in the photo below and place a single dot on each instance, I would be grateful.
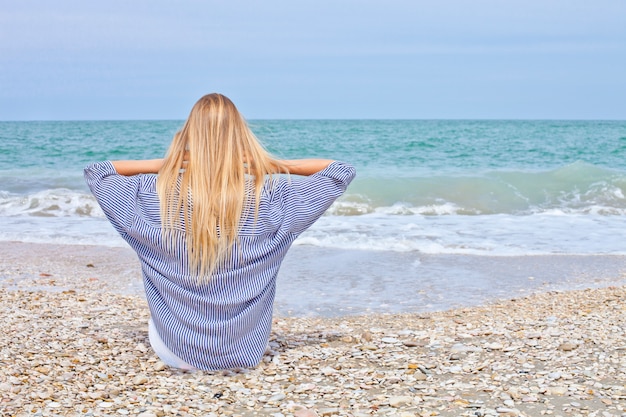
(274, 185)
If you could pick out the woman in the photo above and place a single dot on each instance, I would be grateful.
(211, 230)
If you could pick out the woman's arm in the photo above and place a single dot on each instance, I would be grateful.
(128, 168)
(152, 166)
(306, 166)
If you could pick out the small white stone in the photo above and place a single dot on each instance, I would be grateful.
(95, 395)
(530, 399)
(140, 380)
(276, 398)
(455, 370)
(400, 400)
(304, 388)
(505, 411)
(567, 346)
(328, 371)
(557, 390)
(159, 366)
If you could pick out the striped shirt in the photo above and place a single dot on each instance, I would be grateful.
(225, 323)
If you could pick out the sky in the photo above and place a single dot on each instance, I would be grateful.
(314, 59)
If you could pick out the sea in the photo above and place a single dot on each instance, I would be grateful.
(442, 213)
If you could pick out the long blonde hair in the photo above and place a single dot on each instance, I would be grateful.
(204, 185)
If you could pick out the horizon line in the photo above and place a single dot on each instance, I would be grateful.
(547, 119)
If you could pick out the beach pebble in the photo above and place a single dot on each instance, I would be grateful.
(567, 346)
(505, 411)
(96, 395)
(304, 388)
(455, 369)
(276, 398)
(530, 399)
(560, 390)
(399, 401)
(160, 366)
(459, 348)
(140, 380)
(419, 376)
(494, 346)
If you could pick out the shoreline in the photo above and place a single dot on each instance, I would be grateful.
(345, 283)
(75, 344)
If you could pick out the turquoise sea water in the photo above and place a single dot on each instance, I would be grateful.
(428, 186)
(424, 188)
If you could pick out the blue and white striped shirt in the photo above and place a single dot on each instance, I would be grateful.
(225, 323)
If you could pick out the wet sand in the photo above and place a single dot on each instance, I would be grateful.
(332, 283)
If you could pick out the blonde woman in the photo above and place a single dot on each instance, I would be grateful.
(211, 230)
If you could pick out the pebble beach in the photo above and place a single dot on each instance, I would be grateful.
(75, 342)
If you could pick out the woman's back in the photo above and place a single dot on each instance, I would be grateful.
(224, 322)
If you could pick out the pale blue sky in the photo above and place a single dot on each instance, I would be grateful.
(140, 59)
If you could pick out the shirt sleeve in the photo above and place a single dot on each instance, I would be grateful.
(116, 194)
(305, 199)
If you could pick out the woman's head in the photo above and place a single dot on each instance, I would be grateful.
(215, 133)
(219, 154)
